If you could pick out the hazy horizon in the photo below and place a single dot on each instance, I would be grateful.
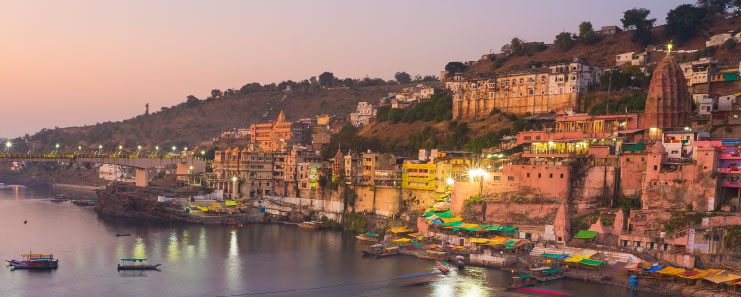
(78, 62)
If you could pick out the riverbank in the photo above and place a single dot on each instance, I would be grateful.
(48, 176)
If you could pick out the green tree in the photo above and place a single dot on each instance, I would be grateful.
(515, 47)
(716, 6)
(216, 93)
(564, 41)
(326, 79)
(403, 77)
(586, 33)
(455, 67)
(636, 19)
(250, 88)
(191, 101)
(684, 22)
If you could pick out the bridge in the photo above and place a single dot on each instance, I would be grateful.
(185, 164)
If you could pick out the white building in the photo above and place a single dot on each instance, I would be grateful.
(631, 58)
(574, 77)
(363, 115)
(725, 103)
(704, 103)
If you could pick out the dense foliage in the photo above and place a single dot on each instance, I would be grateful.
(632, 103)
(348, 139)
(438, 108)
(636, 19)
(684, 22)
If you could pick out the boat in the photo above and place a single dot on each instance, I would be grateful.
(388, 251)
(522, 280)
(546, 273)
(372, 237)
(460, 262)
(312, 225)
(443, 266)
(35, 261)
(4, 186)
(123, 234)
(136, 264)
(434, 255)
(58, 198)
(374, 249)
(82, 202)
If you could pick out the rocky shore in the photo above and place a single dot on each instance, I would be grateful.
(129, 201)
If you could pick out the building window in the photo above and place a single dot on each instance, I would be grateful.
(528, 174)
(538, 175)
(496, 177)
(627, 159)
(656, 167)
(561, 175)
(510, 178)
(550, 175)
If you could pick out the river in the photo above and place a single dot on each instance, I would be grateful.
(204, 260)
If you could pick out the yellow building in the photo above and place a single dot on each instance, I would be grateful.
(419, 176)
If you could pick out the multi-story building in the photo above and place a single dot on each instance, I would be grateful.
(363, 115)
(418, 175)
(535, 91)
(279, 135)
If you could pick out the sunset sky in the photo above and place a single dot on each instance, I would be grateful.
(74, 62)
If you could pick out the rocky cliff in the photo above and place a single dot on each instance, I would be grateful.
(128, 201)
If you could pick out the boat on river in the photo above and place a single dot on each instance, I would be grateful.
(388, 251)
(4, 186)
(83, 202)
(443, 266)
(371, 237)
(546, 273)
(312, 225)
(522, 280)
(35, 261)
(137, 264)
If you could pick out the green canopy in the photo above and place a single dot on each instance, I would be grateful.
(371, 234)
(524, 276)
(508, 229)
(415, 243)
(446, 214)
(633, 147)
(429, 214)
(591, 262)
(554, 256)
(511, 242)
(584, 234)
(552, 270)
(456, 223)
(510, 248)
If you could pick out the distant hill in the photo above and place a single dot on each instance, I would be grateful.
(603, 52)
(186, 124)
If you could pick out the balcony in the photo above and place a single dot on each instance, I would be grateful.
(730, 156)
(731, 184)
(735, 170)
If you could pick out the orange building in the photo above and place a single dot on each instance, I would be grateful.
(276, 135)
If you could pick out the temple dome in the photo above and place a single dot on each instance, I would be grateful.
(668, 104)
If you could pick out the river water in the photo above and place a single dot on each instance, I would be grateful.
(198, 260)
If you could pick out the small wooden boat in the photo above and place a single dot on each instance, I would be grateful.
(123, 234)
(546, 273)
(389, 251)
(312, 225)
(35, 261)
(434, 255)
(371, 237)
(82, 202)
(522, 280)
(374, 249)
(443, 266)
(136, 264)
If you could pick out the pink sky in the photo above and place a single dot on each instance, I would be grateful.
(75, 62)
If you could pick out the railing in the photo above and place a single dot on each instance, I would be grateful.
(75, 156)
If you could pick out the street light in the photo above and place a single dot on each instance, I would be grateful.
(174, 148)
(8, 145)
(450, 181)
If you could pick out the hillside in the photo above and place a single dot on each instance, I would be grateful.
(189, 125)
(603, 52)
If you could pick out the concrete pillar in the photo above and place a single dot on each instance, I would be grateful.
(142, 177)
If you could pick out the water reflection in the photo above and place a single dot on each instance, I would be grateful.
(207, 260)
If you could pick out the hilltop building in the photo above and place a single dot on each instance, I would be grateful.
(279, 135)
(534, 91)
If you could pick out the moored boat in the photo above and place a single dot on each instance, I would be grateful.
(388, 251)
(312, 225)
(372, 237)
(35, 261)
(82, 202)
(546, 273)
(522, 280)
(137, 264)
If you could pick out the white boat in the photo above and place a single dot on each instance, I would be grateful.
(4, 186)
